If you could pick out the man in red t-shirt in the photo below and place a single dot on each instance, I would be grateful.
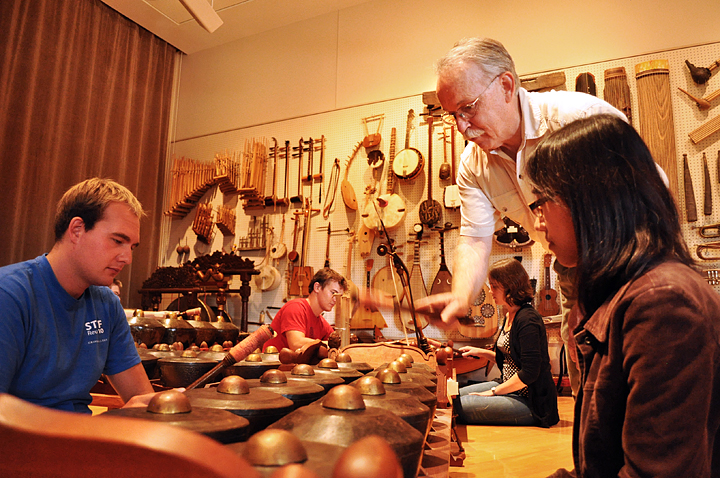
(300, 321)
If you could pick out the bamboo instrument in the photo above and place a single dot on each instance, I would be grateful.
(656, 118)
(709, 127)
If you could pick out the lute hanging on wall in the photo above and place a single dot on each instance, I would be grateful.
(547, 303)
(443, 279)
(451, 194)
(430, 210)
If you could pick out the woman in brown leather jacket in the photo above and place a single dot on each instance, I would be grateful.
(648, 340)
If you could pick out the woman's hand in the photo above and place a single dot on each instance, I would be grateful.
(468, 351)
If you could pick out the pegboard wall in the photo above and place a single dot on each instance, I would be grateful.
(343, 129)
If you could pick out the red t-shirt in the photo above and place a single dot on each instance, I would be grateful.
(297, 315)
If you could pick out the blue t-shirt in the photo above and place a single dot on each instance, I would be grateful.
(53, 347)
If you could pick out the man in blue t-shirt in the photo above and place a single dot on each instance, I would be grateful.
(61, 327)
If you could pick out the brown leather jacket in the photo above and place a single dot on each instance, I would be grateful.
(650, 398)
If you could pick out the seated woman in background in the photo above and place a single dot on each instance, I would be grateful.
(526, 394)
(649, 332)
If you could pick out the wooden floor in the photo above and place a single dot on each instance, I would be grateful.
(514, 452)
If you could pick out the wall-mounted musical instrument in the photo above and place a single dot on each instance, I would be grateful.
(388, 207)
(387, 281)
(302, 273)
(331, 188)
(481, 320)
(544, 82)
(705, 130)
(293, 255)
(443, 279)
(366, 316)
(272, 199)
(585, 83)
(707, 205)
(346, 189)
(371, 140)
(547, 303)
(285, 200)
(319, 176)
(617, 91)
(704, 102)
(416, 281)
(269, 277)
(451, 194)
(700, 74)
(690, 206)
(203, 223)
(352, 290)
(366, 237)
(656, 117)
(408, 162)
(430, 210)
(279, 249)
(310, 148)
(445, 170)
(298, 198)
(327, 247)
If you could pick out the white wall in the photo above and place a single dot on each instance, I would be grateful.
(385, 49)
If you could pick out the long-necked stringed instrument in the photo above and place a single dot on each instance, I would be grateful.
(389, 207)
(430, 210)
(416, 281)
(451, 195)
(547, 303)
(302, 273)
(443, 279)
(408, 162)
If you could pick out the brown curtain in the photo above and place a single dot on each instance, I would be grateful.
(84, 92)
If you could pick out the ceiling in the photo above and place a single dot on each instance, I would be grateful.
(169, 20)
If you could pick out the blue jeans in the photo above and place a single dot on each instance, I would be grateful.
(510, 409)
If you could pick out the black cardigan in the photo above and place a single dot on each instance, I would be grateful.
(529, 351)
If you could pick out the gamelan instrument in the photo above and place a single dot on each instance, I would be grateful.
(656, 118)
(547, 303)
(430, 210)
(237, 353)
(408, 162)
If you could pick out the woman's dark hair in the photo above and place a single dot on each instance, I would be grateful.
(514, 280)
(624, 216)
